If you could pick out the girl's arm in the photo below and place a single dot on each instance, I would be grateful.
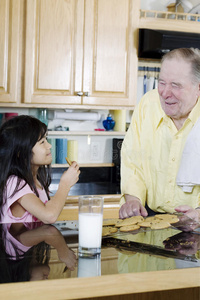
(49, 212)
(52, 236)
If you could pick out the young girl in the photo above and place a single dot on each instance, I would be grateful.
(25, 158)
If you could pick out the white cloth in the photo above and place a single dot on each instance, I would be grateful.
(189, 171)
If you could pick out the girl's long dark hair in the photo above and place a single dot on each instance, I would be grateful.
(17, 138)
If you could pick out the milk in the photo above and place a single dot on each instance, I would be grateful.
(89, 267)
(90, 230)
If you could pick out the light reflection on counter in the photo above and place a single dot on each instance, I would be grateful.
(89, 267)
(36, 252)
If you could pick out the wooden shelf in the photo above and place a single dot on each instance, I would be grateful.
(65, 106)
(169, 15)
(82, 133)
(165, 20)
(95, 165)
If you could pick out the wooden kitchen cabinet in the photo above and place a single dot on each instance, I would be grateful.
(53, 62)
(9, 50)
(110, 59)
(80, 52)
(53, 50)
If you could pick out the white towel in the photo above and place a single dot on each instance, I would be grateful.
(189, 171)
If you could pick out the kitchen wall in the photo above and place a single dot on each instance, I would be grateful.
(91, 148)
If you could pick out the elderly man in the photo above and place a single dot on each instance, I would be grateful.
(153, 146)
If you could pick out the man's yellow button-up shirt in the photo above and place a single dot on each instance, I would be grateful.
(151, 154)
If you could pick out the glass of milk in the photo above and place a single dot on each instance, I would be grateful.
(89, 266)
(90, 225)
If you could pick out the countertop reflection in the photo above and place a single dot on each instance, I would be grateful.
(35, 251)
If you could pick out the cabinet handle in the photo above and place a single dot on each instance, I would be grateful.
(87, 94)
(79, 93)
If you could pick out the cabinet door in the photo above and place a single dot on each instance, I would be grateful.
(53, 62)
(110, 59)
(9, 50)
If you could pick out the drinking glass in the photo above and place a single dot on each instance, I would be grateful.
(89, 266)
(90, 225)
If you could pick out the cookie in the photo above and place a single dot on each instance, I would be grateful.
(160, 225)
(130, 221)
(151, 219)
(129, 228)
(118, 224)
(168, 218)
(68, 161)
(108, 230)
(110, 222)
(145, 224)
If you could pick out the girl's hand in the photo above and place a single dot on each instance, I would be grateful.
(71, 176)
(68, 257)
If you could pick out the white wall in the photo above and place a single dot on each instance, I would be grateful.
(103, 144)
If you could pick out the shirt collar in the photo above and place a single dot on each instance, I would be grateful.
(195, 113)
(193, 116)
(162, 117)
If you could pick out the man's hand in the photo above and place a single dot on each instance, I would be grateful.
(132, 207)
(190, 220)
(185, 243)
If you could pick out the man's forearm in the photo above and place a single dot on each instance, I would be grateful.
(131, 198)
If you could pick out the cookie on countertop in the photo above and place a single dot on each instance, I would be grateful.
(130, 221)
(145, 224)
(168, 218)
(148, 221)
(128, 228)
(160, 225)
(151, 219)
(108, 230)
(110, 222)
(118, 224)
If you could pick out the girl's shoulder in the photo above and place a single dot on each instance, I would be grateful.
(13, 180)
(14, 183)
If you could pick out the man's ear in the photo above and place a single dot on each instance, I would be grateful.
(198, 92)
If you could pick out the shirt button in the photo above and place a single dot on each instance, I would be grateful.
(173, 159)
